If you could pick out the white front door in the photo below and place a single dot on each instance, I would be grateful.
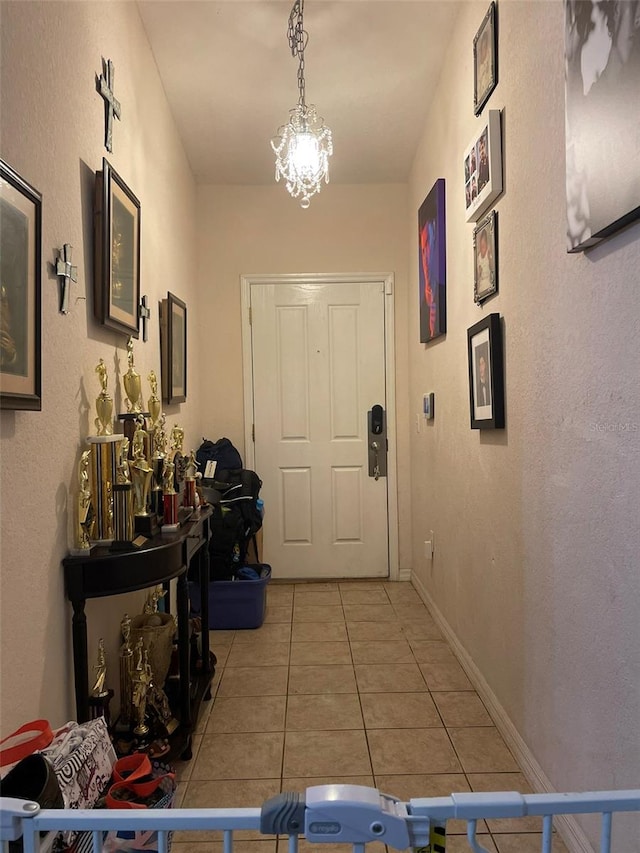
(318, 360)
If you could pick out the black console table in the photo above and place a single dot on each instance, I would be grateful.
(162, 558)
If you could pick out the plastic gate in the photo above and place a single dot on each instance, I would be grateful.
(329, 813)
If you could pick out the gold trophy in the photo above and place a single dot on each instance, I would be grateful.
(132, 383)
(123, 530)
(159, 442)
(140, 679)
(141, 474)
(104, 403)
(98, 690)
(153, 403)
(126, 671)
(86, 514)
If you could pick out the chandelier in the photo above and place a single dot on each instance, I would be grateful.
(303, 145)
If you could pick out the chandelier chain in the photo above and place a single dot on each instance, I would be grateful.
(298, 38)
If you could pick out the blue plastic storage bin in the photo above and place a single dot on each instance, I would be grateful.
(234, 604)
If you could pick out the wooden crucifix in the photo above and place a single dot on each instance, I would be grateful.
(67, 273)
(112, 107)
(144, 312)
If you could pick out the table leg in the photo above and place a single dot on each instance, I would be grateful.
(80, 660)
(182, 595)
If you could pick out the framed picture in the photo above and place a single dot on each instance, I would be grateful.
(432, 278)
(173, 349)
(483, 167)
(485, 257)
(485, 60)
(486, 388)
(602, 82)
(117, 255)
(20, 292)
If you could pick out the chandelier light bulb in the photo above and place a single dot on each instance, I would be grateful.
(303, 145)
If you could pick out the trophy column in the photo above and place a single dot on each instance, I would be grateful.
(104, 461)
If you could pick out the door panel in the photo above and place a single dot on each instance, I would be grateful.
(318, 358)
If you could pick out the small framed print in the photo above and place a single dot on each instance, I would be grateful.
(483, 167)
(20, 292)
(485, 60)
(486, 377)
(485, 258)
(117, 256)
(432, 264)
(173, 349)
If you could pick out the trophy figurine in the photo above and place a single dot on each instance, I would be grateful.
(140, 679)
(157, 464)
(104, 403)
(132, 384)
(170, 499)
(86, 514)
(126, 671)
(190, 481)
(98, 690)
(123, 529)
(153, 403)
(141, 474)
(177, 439)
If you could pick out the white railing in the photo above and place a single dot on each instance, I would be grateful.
(330, 813)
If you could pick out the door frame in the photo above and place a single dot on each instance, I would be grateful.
(386, 279)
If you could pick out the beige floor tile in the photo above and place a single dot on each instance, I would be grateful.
(462, 708)
(300, 783)
(279, 594)
(373, 631)
(368, 595)
(315, 753)
(221, 652)
(224, 637)
(389, 651)
(506, 782)
(390, 678)
(227, 794)
(411, 751)
(318, 598)
(369, 613)
(264, 654)
(361, 584)
(429, 785)
(482, 750)
(529, 843)
(321, 653)
(411, 612)
(302, 589)
(324, 712)
(239, 756)
(321, 679)
(277, 613)
(271, 633)
(318, 613)
(399, 711)
(247, 714)
(431, 651)
(184, 768)
(402, 593)
(421, 629)
(312, 632)
(458, 843)
(445, 676)
(254, 681)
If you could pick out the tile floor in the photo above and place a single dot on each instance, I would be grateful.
(345, 682)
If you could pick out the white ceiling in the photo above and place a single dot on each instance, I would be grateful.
(230, 78)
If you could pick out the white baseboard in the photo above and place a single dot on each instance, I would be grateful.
(404, 574)
(567, 826)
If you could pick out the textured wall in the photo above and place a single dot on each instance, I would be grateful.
(262, 230)
(537, 527)
(52, 126)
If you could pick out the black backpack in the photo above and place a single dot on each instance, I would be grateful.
(221, 451)
(235, 522)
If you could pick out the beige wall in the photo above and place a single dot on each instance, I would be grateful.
(52, 126)
(536, 527)
(262, 230)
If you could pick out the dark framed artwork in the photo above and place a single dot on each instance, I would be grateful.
(432, 256)
(20, 292)
(173, 349)
(117, 255)
(485, 257)
(486, 376)
(483, 167)
(602, 120)
(485, 60)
